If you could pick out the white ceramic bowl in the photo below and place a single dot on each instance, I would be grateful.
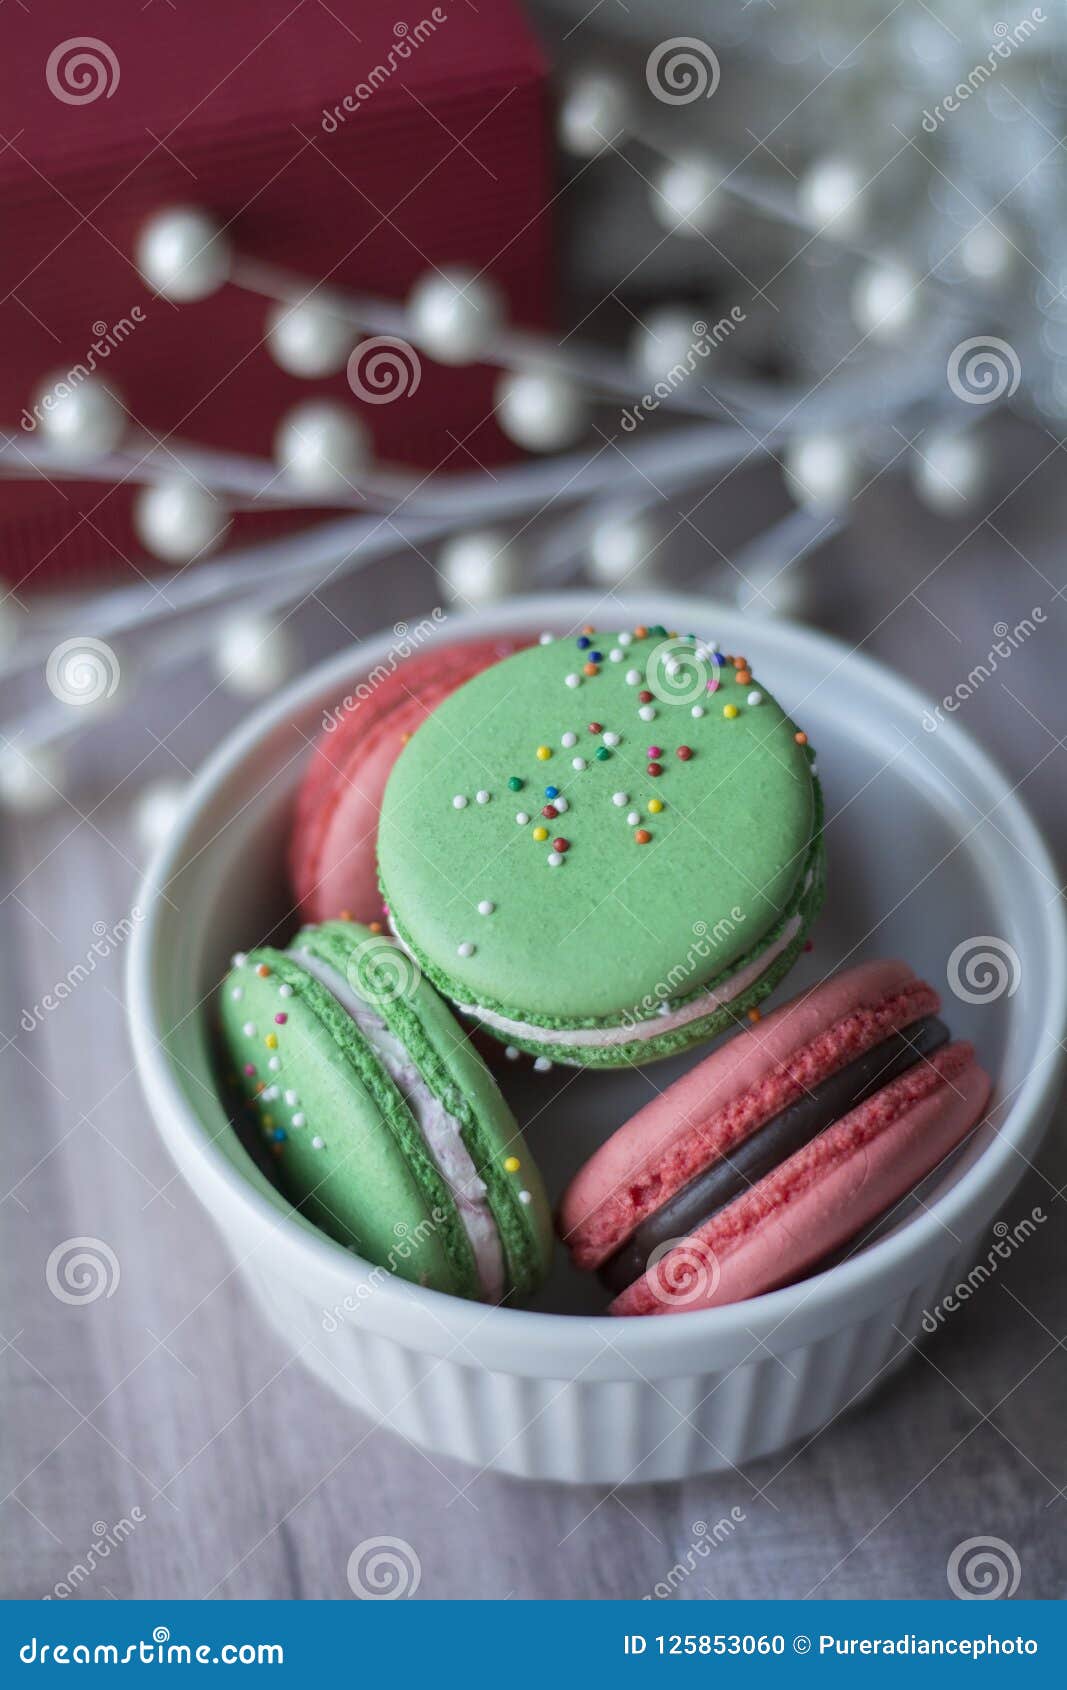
(916, 870)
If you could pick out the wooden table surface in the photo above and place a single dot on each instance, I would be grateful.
(169, 1406)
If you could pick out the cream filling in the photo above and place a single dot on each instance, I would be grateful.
(662, 1022)
(440, 1130)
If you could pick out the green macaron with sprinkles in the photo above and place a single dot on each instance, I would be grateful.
(387, 1128)
(606, 848)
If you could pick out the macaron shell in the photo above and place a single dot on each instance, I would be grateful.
(458, 1076)
(611, 926)
(332, 855)
(352, 1158)
(821, 1197)
(733, 1091)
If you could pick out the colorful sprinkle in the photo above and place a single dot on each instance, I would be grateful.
(374, 927)
(250, 1069)
(482, 797)
(743, 678)
(486, 906)
(754, 1014)
(543, 753)
(644, 696)
(596, 728)
(641, 632)
(655, 769)
(281, 1018)
(262, 970)
(642, 836)
(730, 711)
(574, 680)
(713, 684)
(655, 751)
(602, 754)
(596, 657)
(515, 783)
(540, 833)
(550, 812)
(620, 798)
(655, 805)
(512, 1164)
(584, 643)
(459, 802)
(801, 738)
(684, 752)
(271, 1041)
(561, 844)
(590, 669)
(465, 948)
(280, 1135)
(551, 791)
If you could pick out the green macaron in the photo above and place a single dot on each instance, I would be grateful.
(388, 1129)
(605, 848)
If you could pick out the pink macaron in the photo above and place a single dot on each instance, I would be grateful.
(332, 858)
(777, 1149)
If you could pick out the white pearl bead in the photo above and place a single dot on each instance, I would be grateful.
(685, 196)
(454, 313)
(179, 520)
(322, 446)
(183, 253)
(82, 420)
(480, 567)
(156, 811)
(885, 299)
(949, 469)
(621, 547)
(822, 471)
(987, 254)
(254, 655)
(662, 340)
(593, 113)
(830, 197)
(30, 779)
(539, 410)
(308, 340)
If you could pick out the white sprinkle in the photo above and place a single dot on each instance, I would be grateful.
(620, 798)
(546, 639)
(237, 994)
(482, 797)
(554, 859)
(712, 645)
(814, 767)
(465, 949)
(574, 680)
(647, 713)
(611, 739)
(697, 711)
(664, 1008)
(525, 1197)
(274, 1064)
(755, 696)
(522, 818)
(285, 991)
(249, 1029)
(318, 1143)
(542, 1064)
(615, 654)
(238, 959)
(511, 1053)
(634, 817)
(486, 907)
(298, 1120)
(292, 1099)
(626, 639)
(632, 677)
(459, 802)
(568, 740)
(578, 763)
(270, 1093)
(561, 804)
(672, 666)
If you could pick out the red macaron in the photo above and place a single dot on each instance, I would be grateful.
(777, 1149)
(332, 853)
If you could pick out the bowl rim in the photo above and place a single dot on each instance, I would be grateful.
(850, 1287)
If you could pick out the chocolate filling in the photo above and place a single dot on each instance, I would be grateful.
(771, 1144)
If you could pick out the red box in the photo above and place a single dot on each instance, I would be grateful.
(239, 107)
